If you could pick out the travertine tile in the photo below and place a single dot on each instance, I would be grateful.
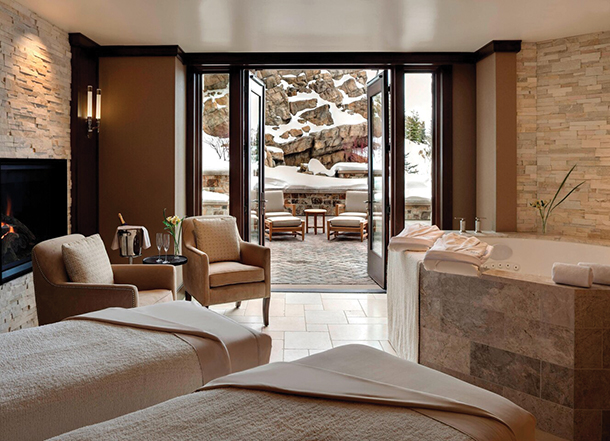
(294, 311)
(375, 308)
(303, 298)
(307, 340)
(358, 332)
(372, 343)
(295, 354)
(588, 347)
(341, 305)
(446, 350)
(325, 317)
(557, 384)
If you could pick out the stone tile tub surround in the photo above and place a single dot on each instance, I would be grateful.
(538, 344)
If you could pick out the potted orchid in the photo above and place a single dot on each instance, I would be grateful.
(173, 225)
(545, 207)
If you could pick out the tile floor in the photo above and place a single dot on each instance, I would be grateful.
(302, 324)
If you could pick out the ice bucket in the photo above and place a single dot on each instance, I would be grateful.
(130, 242)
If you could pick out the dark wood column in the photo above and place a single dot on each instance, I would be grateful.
(84, 150)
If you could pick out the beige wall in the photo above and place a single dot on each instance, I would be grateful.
(141, 144)
(34, 119)
(496, 142)
(564, 119)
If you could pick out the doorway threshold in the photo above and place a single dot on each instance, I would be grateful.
(368, 289)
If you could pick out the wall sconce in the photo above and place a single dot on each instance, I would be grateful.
(98, 111)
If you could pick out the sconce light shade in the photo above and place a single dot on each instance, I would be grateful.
(98, 105)
(89, 101)
(98, 110)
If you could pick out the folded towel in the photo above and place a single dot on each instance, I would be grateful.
(145, 236)
(458, 248)
(416, 237)
(460, 268)
(601, 272)
(575, 275)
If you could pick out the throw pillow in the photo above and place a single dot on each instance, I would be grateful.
(218, 238)
(86, 261)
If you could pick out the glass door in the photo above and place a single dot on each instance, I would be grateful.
(255, 150)
(378, 202)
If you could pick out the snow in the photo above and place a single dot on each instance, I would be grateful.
(274, 149)
(317, 168)
(287, 178)
(350, 166)
(212, 197)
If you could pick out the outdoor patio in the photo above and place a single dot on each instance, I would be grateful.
(318, 261)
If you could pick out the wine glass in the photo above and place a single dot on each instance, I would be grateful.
(166, 246)
(159, 246)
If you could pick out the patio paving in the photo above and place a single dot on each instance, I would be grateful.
(318, 261)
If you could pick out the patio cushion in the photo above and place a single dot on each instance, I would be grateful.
(285, 221)
(355, 201)
(275, 201)
(234, 273)
(278, 213)
(353, 214)
(346, 221)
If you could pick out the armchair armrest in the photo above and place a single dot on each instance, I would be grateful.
(196, 274)
(292, 207)
(339, 208)
(146, 277)
(257, 255)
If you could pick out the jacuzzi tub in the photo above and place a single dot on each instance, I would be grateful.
(536, 256)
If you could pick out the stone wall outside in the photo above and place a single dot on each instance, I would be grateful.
(563, 118)
(35, 78)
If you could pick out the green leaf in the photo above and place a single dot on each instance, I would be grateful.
(566, 196)
(561, 186)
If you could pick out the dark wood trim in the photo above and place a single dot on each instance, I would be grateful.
(193, 143)
(143, 51)
(397, 153)
(84, 150)
(238, 81)
(498, 46)
(442, 150)
(328, 60)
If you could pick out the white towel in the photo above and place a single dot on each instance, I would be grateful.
(416, 237)
(601, 272)
(145, 237)
(454, 247)
(575, 275)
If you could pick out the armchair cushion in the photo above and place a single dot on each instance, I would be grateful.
(86, 261)
(278, 213)
(353, 214)
(234, 273)
(275, 201)
(355, 201)
(218, 238)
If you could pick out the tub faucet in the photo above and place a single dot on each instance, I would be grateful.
(462, 224)
(477, 225)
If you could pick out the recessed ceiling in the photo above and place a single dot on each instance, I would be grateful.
(323, 25)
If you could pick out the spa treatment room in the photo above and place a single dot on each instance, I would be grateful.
(305, 220)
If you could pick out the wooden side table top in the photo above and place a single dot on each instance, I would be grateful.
(315, 211)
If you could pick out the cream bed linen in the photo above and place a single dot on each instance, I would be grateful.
(59, 377)
(328, 396)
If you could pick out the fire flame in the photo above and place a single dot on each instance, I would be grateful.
(8, 213)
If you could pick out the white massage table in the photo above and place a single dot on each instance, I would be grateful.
(98, 366)
(348, 393)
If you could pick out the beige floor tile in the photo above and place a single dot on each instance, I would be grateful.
(277, 354)
(286, 324)
(325, 317)
(372, 343)
(307, 340)
(341, 305)
(314, 307)
(359, 313)
(294, 311)
(316, 328)
(295, 298)
(223, 306)
(316, 351)
(358, 332)
(347, 296)
(254, 307)
(375, 308)
(235, 311)
(247, 318)
(368, 320)
(381, 296)
(278, 295)
(295, 354)
(275, 335)
(387, 346)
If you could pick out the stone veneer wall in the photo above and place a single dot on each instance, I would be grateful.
(563, 118)
(34, 118)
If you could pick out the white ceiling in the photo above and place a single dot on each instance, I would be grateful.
(323, 25)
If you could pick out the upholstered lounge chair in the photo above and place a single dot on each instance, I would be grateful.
(284, 224)
(57, 297)
(221, 267)
(347, 224)
(275, 205)
(355, 205)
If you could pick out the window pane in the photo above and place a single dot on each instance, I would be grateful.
(215, 144)
(418, 147)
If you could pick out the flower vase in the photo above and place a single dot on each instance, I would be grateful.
(176, 248)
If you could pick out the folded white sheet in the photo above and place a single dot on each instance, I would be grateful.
(575, 275)
(454, 247)
(416, 237)
(601, 272)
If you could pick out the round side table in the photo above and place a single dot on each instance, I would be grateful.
(171, 260)
(315, 212)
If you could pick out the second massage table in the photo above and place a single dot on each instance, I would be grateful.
(98, 366)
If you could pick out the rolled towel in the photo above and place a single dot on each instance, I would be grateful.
(575, 275)
(601, 272)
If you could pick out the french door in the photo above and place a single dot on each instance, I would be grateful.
(255, 160)
(378, 200)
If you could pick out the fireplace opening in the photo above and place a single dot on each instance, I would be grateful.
(33, 208)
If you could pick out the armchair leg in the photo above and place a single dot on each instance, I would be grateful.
(266, 303)
(237, 304)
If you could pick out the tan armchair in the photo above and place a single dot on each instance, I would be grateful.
(230, 281)
(58, 298)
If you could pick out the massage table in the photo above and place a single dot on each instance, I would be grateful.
(101, 365)
(351, 392)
